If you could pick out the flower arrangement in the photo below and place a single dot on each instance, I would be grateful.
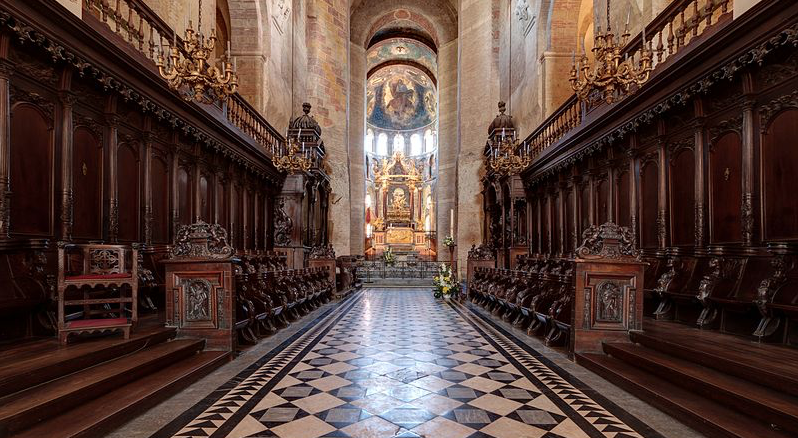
(448, 241)
(445, 282)
(389, 257)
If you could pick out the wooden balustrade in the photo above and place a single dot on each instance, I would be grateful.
(669, 33)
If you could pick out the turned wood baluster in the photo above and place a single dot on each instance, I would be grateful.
(151, 50)
(141, 33)
(670, 38)
(129, 25)
(660, 47)
(696, 18)
(104, 10)
(681, 32)
(724, 6)
(117, 17)
(708, 10)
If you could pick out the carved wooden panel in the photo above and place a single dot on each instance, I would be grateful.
(159, 176)
(221, 201)
(205, 199)
(184, 198)
(555, 224)
(725, 188)
(682, 197)
(569, 222)
(584, 208)
(128, 193)
(623, 215)
(779, 171)
(649, 188)
(87, 183)
(31, 148)
(602, 200)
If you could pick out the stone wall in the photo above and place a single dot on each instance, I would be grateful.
(327, 35)
(479, 92)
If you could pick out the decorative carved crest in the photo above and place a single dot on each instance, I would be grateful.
(608, 241)
(202, 240)
(322, 252)
(481, 252)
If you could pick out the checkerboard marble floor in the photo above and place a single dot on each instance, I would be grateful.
(396, 363)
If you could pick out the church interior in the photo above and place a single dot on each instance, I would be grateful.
(398, 218)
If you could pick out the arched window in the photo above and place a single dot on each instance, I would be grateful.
(429, 141)
(382, 144)
(398, 143)
(415, 144)
(368, 144)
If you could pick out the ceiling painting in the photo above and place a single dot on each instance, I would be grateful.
(402, 49)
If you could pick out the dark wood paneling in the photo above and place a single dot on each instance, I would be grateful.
(584, 208)
(87, 173)
(624, 214)
(649, 184)
(159, 174)
(205, 199)
(779, 174)
(184, 197)
(569, 221)
(31, 148)
(128, 193)
(602, 200)
(725, 191)
(682, 197)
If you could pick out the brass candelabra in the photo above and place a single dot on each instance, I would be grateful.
(293, 158)
(508, 157)
(192, 71)
(613, 74)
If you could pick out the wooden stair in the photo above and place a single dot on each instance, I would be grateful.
(720, 385)
(90, 388)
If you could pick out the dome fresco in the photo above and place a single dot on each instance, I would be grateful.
(400, 98)
(402, 49)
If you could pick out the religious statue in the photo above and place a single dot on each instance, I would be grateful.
(399, 200)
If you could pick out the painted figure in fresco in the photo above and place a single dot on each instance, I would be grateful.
(400, 102)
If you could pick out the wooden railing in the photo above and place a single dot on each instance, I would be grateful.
(668, 34)
(140, 26)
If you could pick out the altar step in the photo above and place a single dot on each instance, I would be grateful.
(399, 282)
(90, 388)
(718, 384)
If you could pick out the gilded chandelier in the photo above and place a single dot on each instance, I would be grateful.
(293, 158)
(192, 71)
(508, 157)
(613, 74)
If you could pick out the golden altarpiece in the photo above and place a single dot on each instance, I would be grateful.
(401, 211)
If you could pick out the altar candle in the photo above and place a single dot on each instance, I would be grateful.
(451, 222)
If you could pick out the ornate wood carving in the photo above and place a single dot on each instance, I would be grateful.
(198, 299)
(283, 225)
(608, 241)
(202, 240)
(768, 111)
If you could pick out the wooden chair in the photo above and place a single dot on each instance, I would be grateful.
(99, 280)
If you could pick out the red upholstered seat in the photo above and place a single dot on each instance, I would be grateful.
(98, 276)
(102, 322)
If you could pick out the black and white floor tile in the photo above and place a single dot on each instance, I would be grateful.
(398, 363)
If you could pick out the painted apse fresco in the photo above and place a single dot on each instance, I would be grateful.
(400, 98)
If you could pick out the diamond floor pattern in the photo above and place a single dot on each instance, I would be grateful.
(400, 364)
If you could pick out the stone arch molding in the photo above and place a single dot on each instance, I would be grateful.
(438, 19)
